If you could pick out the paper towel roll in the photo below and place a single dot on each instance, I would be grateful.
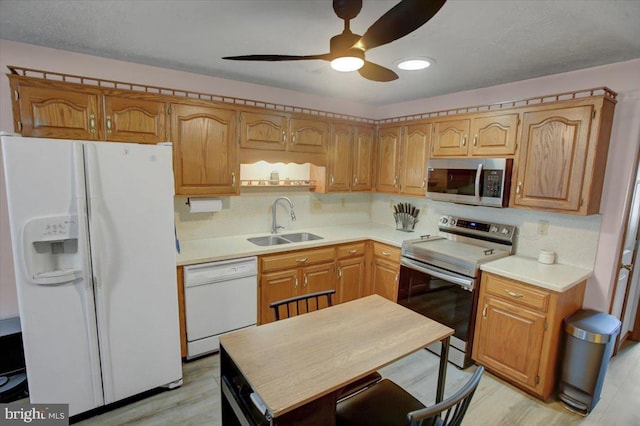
(204, 205)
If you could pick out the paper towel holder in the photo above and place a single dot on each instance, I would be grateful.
(204, 205)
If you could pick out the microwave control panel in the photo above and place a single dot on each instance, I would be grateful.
(492, 183)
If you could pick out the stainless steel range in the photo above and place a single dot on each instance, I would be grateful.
(439, 275)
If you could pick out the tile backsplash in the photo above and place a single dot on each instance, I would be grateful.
(573, 238)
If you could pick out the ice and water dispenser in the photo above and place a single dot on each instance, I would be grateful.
(51, 250)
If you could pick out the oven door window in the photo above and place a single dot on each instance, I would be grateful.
(435, 298)
(452, 181)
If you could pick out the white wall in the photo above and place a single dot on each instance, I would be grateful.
(249, 213)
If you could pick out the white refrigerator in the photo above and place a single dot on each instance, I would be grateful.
(92, 230)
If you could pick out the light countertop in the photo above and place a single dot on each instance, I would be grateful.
(212, 249)
(554, 277)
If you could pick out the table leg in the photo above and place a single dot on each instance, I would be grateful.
(442, 372)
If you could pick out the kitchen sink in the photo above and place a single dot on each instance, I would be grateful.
(270, 240)
(274, 240)
(301, 236)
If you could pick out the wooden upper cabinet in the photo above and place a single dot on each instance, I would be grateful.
(363, 149)
(135, 120)
(310, 136)
(415, 153)
(493, 135)
(388, 159)
(263, 131)
(340, 155)
(205, 150)
(450, 138)
(551, 160)
(52, 112)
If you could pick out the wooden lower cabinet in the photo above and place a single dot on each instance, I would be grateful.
(519, 331)
(385, 268)
(351, 271)
(290, 274)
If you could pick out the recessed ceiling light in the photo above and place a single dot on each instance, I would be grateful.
(413, 64)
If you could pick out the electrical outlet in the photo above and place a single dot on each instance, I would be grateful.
(543, 227)
(316, 204)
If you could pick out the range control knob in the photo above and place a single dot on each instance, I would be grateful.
(444, 220)
(504, 231)
(493, 228)
(452, 222)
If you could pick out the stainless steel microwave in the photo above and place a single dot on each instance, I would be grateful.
(476, 181)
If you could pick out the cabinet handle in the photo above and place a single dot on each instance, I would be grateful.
(484, 311)
(464, 140)
(384, 253)
(233, 178)
(475, 140)
(293, 139)
(284, 136)
(424, 183)
(514, 295)
(396, 278)
(302, 260)
(395, 181)
(108, 124)
(519, 188)
(332, 179)
(627, 267)
(339, 272)
(353, 251)
(92, 123)
(295, 283)
(306, 281)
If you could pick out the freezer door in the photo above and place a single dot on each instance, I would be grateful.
(131, 225)
(45, 189)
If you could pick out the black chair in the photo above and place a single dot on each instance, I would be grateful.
(312, 302)
(386, 403)
(301, 304)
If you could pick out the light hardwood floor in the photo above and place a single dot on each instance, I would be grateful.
(197, 402)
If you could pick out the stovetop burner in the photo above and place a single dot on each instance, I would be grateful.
(464, 245)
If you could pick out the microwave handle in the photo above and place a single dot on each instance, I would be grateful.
(478, 177)
(466, 283)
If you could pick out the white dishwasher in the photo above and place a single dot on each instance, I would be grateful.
(219, 297)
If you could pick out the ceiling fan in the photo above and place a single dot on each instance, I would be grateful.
(347, 50)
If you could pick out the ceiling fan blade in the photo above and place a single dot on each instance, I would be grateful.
(377, 72)
(404, 18)
(276, 57)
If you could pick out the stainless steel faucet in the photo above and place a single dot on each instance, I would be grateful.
(274, 222)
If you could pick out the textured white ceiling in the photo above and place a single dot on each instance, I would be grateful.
(476, 43)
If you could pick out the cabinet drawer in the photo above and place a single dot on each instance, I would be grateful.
(386, 252)
(517, 293)
(350, 250)
(297, 258)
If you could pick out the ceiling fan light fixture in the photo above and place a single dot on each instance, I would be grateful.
(347, 63)
(414, 64)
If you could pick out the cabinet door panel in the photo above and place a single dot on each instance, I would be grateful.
(363, 159)
(350, 279)
(276, 286)
(134, 120)
(59, 113)
(318, 278)
(205, 160)
(551, 163)
(450, 138)
(494, 135)
(510, 339)
(388, 160)
(385, 279)
(415, 152)
(339, 165)
(309, 136)
(263, 131)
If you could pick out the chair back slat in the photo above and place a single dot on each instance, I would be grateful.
(300, 303)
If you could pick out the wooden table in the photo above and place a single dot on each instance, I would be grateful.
(296, 365)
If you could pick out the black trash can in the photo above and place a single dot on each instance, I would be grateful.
(590, 338)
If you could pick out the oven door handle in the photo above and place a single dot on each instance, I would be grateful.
(477, 183)
(466, 283)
